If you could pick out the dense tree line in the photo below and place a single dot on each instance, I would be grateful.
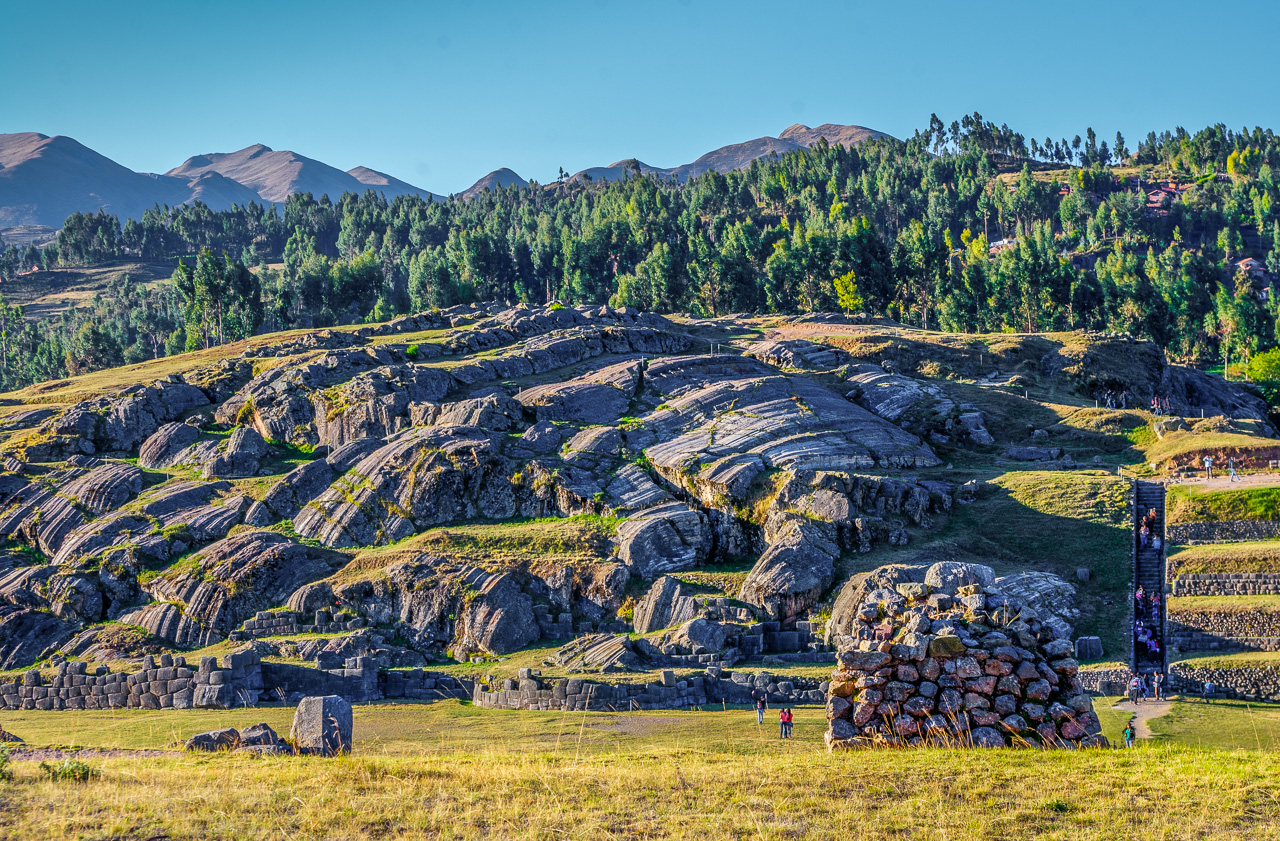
(967, 227)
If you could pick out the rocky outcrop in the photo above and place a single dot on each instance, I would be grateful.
(226, 583)
(923, 407)
(26, 635)
(666, 538)
(718, 406)
(599, 397)
(238, 458)
(166, 445)
(797, 568)
(424, 477)
(665, 604)
(434, 603)
(119, 422)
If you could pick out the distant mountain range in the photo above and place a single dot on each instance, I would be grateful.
(43, 180)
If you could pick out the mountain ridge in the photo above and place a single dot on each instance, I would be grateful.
(44, 179)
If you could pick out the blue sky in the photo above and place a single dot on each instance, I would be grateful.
(438, 94)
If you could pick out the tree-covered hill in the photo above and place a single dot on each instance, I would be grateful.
(972, 227)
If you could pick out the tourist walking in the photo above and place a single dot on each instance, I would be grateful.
(760, 705)
(1134, 684)
(1157, 681)
(1128, 735)
(1231, 469)
(1208, 468)
(784, 723)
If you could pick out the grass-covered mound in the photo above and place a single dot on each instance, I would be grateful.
(1196, 504)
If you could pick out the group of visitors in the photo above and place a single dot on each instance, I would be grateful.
(784, 715)
(1160, 405)
(1146, 604)
(1149, 531)
(1146, 687)
(1116, 399)
(1232, 475)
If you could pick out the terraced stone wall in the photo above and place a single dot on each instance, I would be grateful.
(1226, 584)
(1254, 684)
(1224, 531)
(528, 692)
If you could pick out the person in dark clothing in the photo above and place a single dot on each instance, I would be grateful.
(760, 707)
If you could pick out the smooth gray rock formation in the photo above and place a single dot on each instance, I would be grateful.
(665, 604)
(322, 726)
(166, 445)
(667, 538)
(792, 574)
(599, 397)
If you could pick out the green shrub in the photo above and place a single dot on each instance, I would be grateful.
(555, 305)
(411, 351)
(68, 770)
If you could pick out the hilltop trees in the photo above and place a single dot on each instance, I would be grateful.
(957, 228)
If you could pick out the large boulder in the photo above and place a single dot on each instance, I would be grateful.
(793, 573)
(666, 538)
(949, 576)
(215, 740)
(166, 444)
(322, 726)
(665, 604)
(240, 457)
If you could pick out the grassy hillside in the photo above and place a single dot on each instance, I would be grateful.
(45, 294)
(453, 771)
(1195, 504)
(1254, 556)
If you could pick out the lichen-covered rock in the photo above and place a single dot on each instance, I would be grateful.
(291, 491)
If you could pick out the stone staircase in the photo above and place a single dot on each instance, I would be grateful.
(1149, 573)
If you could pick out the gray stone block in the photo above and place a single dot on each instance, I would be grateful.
(322, 725)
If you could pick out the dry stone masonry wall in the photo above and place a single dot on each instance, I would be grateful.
(1226, 584)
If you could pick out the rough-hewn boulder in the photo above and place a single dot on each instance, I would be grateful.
(215, 740)
(322, 726)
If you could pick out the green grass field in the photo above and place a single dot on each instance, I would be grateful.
(1194, 504)
(1251, 556)
(452, 771)
(1224, 604)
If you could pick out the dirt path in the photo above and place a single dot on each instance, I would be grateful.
(1143, 712)
(54, 754)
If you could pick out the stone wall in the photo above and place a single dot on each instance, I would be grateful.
(1226, 624)
(1254, 684)
(270, 623)
(159, 684)
(529, 692)
(991, 694)
(1226, 584)
(1224, 531)
(1104, 681)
